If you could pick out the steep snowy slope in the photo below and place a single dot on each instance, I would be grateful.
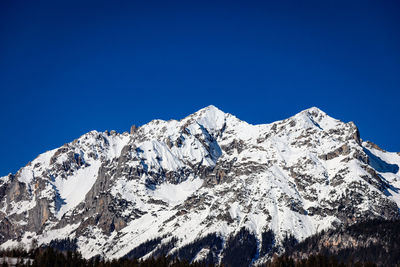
(209, 173)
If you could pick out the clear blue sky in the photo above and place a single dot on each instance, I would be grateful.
(73, 66)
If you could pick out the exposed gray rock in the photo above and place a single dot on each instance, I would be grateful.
(133, 129)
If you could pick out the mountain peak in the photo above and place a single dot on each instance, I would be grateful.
(210, 110)
(315, 117)
(210, 117)
(314, 112)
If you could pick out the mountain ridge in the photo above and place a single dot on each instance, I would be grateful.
(209, 173)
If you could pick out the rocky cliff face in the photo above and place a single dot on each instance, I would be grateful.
(207, 174)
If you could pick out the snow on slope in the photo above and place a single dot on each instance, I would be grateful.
(387, 164)
(176, 193)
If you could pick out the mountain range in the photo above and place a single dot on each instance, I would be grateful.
(202, 188)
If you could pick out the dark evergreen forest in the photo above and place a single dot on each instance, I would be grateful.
(378, 244)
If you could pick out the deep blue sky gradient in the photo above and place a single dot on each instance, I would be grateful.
(73, 66)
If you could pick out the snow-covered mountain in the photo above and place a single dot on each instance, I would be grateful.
(178, 183)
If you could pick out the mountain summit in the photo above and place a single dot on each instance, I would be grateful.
(193, 188)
